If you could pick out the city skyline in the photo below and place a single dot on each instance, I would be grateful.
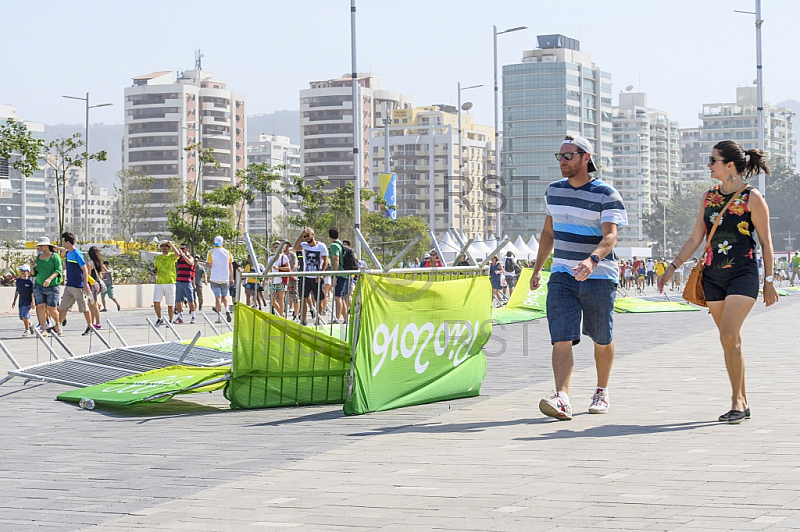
(98, 47)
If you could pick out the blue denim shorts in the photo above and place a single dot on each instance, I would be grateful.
(46, 294)
(568, 300)
(184, 291)
(220, 289)
(24, 312)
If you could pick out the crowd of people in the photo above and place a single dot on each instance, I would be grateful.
(86, 283)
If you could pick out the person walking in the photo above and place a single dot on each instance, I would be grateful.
(77, 286)
(96, 286)
(315, 259)
(220, 265)
(277, 285)
(184, 283)
(730, 279)
(200, 278)
(108, 280)
(47, 271)
(166, 277)
(795, 267)
(583, 214)
(342, 288)
(24, 292)
(510, 268)
(495, 278)
(292, 286)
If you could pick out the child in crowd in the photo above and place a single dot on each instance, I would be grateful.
(25, 293)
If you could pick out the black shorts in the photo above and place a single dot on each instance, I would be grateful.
(720, 282)
(309, 287)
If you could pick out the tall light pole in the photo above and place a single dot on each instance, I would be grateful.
(467, 107)
(497, 150)
(762, 182)
(86, 161)
(357, 169)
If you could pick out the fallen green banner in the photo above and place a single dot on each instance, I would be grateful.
(277, 362)
(221, 342)
(418, 341)
(157, 386)
(637, 305)
(525, 304)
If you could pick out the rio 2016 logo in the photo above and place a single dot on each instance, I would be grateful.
(148, 386)
(455, 338)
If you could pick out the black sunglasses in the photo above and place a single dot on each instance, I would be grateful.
(712, 159)
(568, 155)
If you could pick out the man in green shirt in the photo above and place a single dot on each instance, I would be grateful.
(341, 291)
(795, 267)
(166, 276)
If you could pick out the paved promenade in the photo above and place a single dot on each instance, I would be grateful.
(658, 461)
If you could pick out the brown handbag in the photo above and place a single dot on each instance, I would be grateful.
(693, 291)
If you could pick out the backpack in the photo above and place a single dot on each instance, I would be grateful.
(349, 259)
(509, 265)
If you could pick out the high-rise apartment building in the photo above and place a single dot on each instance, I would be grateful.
(646, 160)
(739, 121)
(271, 216)
(163, 116)
(424, 150)
(22, 198)
(326, 123)
(694, 158)
(555, 91)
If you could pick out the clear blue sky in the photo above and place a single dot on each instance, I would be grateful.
(683, 53)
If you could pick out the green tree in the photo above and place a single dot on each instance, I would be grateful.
(313, 204)
(205, 157)
(16, 142)
(782, 198)
(133, 201)
(681, 213)
(61, 156)
(198, 221)
(266, 181)
(389, 237)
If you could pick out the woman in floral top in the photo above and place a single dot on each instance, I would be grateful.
(731, 279)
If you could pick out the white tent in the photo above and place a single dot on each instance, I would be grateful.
(513, 249)
(449, 248)
(533, 245)
(525, 251)
(491, 243)
(478, 248)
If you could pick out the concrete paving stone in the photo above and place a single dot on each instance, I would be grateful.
(464, 446)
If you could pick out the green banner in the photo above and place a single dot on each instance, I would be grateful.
(525, 304)
(222, 342)
(418, 341)
(139, 388)
(637, 305)
(277, 362)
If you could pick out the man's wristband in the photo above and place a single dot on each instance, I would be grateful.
(673, 265)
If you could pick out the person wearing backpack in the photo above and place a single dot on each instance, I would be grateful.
(512, 271)
(342, 289)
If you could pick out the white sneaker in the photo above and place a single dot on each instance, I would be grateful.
(555, 406)
(27, 333)
(599, 403)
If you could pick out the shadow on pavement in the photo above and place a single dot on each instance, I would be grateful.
(611, 431)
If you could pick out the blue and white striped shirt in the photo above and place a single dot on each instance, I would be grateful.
(578, 215)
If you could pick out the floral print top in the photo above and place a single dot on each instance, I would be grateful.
(733, 245)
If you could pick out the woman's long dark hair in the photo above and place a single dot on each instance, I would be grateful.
(97, 259)
(747, 162)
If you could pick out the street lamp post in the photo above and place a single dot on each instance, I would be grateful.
(451, 205)
(86, 161)
(497, 150)
(762, 183)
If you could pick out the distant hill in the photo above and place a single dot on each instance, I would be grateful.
(286, 123)
(108, 137)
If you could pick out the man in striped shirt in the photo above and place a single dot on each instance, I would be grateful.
(583, 214)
